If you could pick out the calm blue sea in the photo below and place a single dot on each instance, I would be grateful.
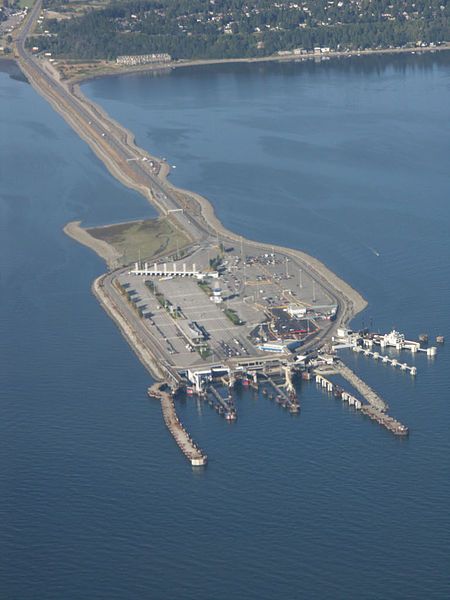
(347, 160)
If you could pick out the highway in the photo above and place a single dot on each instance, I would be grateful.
(103, 135)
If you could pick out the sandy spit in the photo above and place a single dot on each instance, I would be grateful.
(100, 247)
(356, 303)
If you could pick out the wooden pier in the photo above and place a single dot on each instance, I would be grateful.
(187, 446)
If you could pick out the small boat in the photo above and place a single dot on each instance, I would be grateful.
(337, 392)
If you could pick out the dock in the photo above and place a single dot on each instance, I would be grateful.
(185, 443)
(224, 406)
(386, 359)
(338, 392)
(365, 390)
(285, 400)
(376, 407)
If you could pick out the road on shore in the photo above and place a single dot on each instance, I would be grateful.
(115, 146)
(100, 132)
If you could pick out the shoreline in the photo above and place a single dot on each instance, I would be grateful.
(112, 70)
(114, 144)
(104, 250)
(142, 352)
(208, 212)
(209, 215)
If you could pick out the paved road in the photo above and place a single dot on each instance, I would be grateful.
(112, 144)
(103, 133)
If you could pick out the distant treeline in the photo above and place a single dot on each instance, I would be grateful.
(233, 28)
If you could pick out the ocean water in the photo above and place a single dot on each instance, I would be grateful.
(347, 160)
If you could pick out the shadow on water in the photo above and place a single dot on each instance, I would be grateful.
(12, 69)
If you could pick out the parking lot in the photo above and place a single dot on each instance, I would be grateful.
(211, 319)
(190, 305)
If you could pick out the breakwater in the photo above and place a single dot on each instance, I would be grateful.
(183, 440)
(375, 408)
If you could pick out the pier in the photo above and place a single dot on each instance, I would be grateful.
(385, 420)
(286, 400)
(385, 359)
(376, 407)
(338, 392)
(185, 443)
(224, 406)
(365, 342)
(365, 390)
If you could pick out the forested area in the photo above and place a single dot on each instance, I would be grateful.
(232, 28)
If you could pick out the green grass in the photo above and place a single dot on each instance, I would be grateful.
(23, 3)
(233, 316)
(205, 352)
(205, 287)
(147, 239)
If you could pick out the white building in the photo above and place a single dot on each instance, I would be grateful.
(296, 311)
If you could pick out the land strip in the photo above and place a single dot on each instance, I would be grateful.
(134, 167)
(106, 251)
(178, 332)
(77, 72)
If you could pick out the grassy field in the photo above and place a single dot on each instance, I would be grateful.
(149, 239)
(24, 3)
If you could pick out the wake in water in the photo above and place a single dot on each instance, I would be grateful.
(351, 233)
